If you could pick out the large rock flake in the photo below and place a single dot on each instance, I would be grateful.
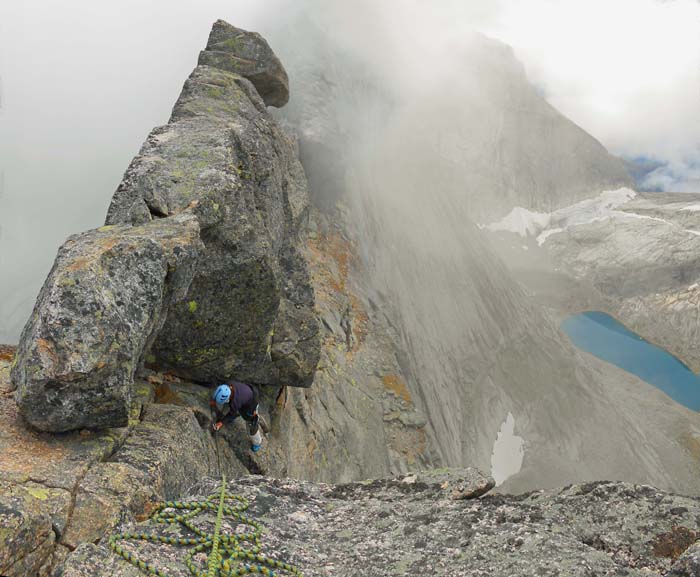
(100, 307)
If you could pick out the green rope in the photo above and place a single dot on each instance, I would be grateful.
(214, 556)
(227, 558)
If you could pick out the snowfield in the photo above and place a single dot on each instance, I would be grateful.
(527, 223)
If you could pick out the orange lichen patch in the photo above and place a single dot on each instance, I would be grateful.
(109, 243)
(79, 264)
(333, 247)
(411, 443)
(171, 377)
(7, 353)
(166, 396)
(360, 320)
(674, 543)
(340, 251)
(397, 385)
(155, 379)
(46, 348)
(147, 512)
(330, 259)
(24, 452)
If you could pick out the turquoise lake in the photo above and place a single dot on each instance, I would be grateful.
(604, 337)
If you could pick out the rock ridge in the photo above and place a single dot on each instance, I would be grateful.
(199, 268)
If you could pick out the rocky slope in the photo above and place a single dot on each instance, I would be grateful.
(427, 342)
(634, 257)
(644, 264)
(62, 496)
(418, 524)
(58, 491)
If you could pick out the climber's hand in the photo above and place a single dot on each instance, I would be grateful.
(216, 426)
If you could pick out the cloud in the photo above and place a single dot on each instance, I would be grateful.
(627, 71)
(84, 81)
(677, 176)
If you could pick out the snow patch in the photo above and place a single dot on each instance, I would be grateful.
(692, 208)
(541, 239)
(508, 452)
(592, 209)
(521, 221)
(525, 223)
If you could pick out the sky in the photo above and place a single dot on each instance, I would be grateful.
(627, 71)
(83, 82)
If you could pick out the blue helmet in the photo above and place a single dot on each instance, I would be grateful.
(222, 394)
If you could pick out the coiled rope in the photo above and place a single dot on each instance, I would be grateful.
(226, 555)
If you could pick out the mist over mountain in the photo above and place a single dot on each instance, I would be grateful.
(79, 96)
(363, 232)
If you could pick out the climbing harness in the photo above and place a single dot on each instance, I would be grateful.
(226, 555)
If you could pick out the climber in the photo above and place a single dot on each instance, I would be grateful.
(233, 399)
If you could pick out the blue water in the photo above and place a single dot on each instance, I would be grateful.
(604, 337)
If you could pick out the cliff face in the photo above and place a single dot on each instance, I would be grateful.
(360, 419)
(426, 341)
(492, 134)
(472, 345)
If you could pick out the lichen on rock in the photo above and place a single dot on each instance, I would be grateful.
(398, 527)
(105, 298)
(247, 54)
(227, 158)
(198, 267)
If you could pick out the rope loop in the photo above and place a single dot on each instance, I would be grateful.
(226, 555)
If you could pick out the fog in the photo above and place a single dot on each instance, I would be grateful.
(83, 82)
(428, 132)
(628, 71)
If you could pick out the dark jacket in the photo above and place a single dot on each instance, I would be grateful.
(243, 402)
